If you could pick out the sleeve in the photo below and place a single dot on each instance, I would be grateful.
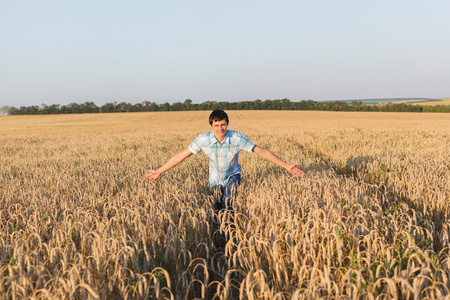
(246, 144)
(195, 146)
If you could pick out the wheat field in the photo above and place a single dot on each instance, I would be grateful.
(442, 101)
(370, 220)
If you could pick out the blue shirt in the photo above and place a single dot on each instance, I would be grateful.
(223, 157)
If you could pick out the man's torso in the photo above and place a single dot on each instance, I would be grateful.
(223, 157)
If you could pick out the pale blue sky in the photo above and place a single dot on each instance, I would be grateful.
(57, 52)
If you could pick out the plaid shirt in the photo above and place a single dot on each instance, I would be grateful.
(223, 157)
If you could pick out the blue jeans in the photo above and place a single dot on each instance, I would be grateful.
(227, 193)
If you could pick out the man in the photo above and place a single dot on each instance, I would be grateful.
(222, 146)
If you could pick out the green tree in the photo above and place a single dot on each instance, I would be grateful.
(89, 107)
(44, 109)
(187, 104)
(165, 107)
(107, 108)
(177, 106)
(154, 106)
(33, 110)
(285, 104)
(53, 109)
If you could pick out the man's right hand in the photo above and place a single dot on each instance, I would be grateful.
(172, 162)
(151, 175)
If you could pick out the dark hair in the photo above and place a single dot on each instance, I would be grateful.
(218, 115)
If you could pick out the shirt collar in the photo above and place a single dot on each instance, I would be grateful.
(227, 137)
(226, 140)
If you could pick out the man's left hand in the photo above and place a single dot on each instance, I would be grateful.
(295, 171)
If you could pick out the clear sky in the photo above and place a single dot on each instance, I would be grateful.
(62, 51)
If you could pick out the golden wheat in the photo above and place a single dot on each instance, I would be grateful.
(442, 101)
(369, 220)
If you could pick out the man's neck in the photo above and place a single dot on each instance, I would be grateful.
(221, 139)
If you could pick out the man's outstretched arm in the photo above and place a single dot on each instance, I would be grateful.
(172, 162)
(269, 156)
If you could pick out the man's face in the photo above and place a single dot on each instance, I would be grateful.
(219, 128)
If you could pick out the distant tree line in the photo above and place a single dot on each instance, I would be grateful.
(187, 105)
